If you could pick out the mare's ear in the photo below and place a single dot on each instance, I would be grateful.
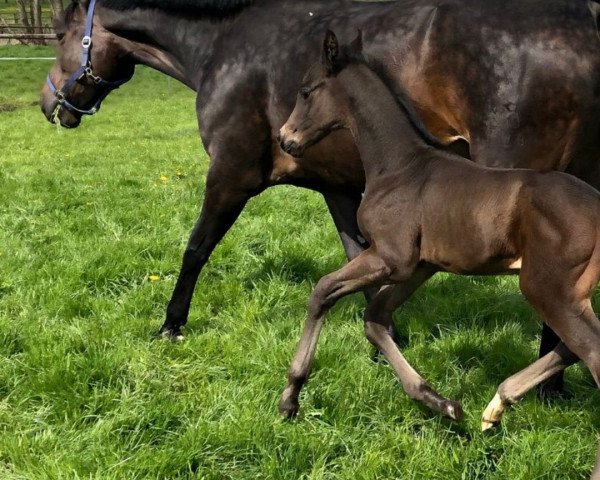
(357, 44)
(331, 51)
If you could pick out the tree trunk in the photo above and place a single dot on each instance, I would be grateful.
(22, 15)
(36, 15)
(58, 7)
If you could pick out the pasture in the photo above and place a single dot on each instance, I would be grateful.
(93, 224)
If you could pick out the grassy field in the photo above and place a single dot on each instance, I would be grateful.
(88, 216)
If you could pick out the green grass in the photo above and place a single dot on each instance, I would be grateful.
(87, 216)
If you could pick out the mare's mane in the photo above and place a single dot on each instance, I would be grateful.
(217, 8)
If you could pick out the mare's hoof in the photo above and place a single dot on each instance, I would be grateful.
(288, 409)
(377, 356)
(171, 334)
(550, 389)
(493, 414)
(453, 410)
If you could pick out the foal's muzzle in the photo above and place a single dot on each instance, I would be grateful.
(289, 143)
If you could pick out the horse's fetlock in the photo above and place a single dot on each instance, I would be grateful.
(195, 256)
(505, 394)
(373, 332)
(296, 377)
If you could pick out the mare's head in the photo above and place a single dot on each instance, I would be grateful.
(322, 105)
(90, 63)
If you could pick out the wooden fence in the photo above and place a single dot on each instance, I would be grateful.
(12, 31)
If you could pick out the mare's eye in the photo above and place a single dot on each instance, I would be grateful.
(305, 93)
(60, 36)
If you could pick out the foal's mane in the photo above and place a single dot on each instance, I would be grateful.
(350, 56)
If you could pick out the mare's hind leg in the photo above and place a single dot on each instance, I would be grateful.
(377, 320)
(553, 385)
(514, 388)
(367, 270)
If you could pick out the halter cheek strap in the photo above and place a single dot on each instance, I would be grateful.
(84, 71)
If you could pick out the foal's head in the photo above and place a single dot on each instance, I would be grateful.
(322, 105)
(106, 66)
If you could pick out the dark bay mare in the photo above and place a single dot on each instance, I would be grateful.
(425, 211)
(518, 81)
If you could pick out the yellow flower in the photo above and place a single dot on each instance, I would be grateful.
(154, 278)
(163, 178)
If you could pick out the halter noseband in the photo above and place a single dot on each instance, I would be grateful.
(84, 71)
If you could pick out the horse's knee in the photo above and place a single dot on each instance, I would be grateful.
(374, 332)
(320, 298)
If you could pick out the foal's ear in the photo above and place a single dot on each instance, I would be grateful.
(331, 50)
(357, 44)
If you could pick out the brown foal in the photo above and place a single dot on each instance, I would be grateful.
(426, 211)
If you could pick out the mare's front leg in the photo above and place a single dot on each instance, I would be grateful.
(223, 203)
(378, 317)
(368, 270)
(235, 175)
(343, 208)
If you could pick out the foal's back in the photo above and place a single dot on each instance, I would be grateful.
(477, 220)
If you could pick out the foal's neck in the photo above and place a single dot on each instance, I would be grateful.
(385, 136)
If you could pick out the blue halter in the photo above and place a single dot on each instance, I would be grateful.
(84, 71)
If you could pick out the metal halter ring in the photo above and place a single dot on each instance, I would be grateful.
(86, 42)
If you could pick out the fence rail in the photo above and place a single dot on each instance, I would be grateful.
(27, 36)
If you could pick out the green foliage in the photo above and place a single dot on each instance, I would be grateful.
(88, 216)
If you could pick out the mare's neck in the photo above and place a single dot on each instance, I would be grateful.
(177, 45)
(385, 136)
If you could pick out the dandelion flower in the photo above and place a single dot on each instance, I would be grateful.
(154, 278)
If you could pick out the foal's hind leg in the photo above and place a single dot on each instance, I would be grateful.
(377, 319)
(514, 388)
(575, 323)
(367, 270)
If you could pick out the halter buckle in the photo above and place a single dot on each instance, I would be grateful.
(86, 42)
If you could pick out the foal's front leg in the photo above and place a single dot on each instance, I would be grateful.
(367, 270)
(377, 319)
(343, 208)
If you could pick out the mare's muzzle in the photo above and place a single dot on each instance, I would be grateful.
(84, 71)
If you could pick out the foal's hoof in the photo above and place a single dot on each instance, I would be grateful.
(169, 333)
(493, 414)
(453, 410)
(288, 409)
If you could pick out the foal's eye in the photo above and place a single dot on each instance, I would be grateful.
(305, 93)
(60, 36)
